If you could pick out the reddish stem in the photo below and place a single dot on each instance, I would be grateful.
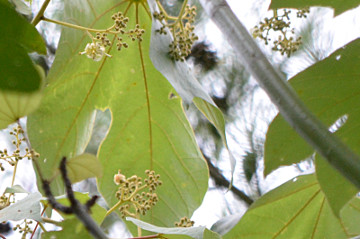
(37, 224)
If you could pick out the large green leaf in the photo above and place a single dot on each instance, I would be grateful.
(296, 209)
(331, 90)
(149, 129)
(338, 5)
(18, 37)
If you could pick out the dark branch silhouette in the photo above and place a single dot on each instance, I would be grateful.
(220, 180)
(80, 210)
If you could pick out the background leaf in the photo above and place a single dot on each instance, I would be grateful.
(71, 229)
(296, 209)
(97, 212)
(338, 5)
(350, 215)
(83, 166)
(149, 129)
(15, 189)
(330, 89)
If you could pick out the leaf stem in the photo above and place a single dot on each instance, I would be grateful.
(40, 14)
(148, 237)
(48, 220)
(338, 154)
(66, 24)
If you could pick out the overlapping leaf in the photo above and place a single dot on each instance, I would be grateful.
(17, 72)
(149, 129)
(296, 209)
(331, 90)
(182, 79)
(338, 5)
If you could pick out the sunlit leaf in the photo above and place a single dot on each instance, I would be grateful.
(14, 105)
(149, 129)
(192, 232)
(27, 208)
(82, 167)
(338, 5)
(330, 89)
(296, 209)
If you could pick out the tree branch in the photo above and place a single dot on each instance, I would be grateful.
(81, 211)
(220, 180)
(282, 95)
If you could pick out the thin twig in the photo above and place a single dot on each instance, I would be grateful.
(81, 211)
(147, 237)
(40, 14)
(220, 180)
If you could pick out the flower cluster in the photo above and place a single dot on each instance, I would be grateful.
(96, 50)
(286, 43)
(136, 196)
(24, 229)
(16, 155)
(184, 222)
(181, 28)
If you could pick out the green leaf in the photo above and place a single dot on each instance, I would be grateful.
(193, 232)
(18, 30)
(330, 179)
(97, 212)
(338, 5)
(17, 71)
(27, 208)
(15, 105)
(83, 166)
(330, 89)
(296, 209)
(15, 189)
(350, 216)
(19, 37)
(71, 229)
(149, 129)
